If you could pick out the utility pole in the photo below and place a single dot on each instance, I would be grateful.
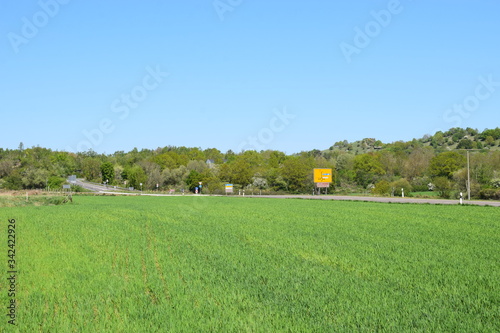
(468, 171)
(468, 176)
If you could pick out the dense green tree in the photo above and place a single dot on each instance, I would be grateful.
(494, 133)
(91, 169)
(367, 168)
(107, 172)
(34, 178)
(466, 144)
(55, 182)
(136, 176)
(298, 173)
(214, 155)
(443, 186)
(239, 171)
(13, 181)
(490, 141)
(345, 168)
(274, 158)
(193, 180)
(445, 164)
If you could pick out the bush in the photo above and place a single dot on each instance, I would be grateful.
(420, 184)
(13, 182)
(401, 184)
(420, 188)
(443, 186)
(78, 188)
(490, 194)
(55, 182)
(382, 188)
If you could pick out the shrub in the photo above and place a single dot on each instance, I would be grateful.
(443, 186)
(382, 188)
(401, 184)
(490, 194)
(55, 182)
(495, 183)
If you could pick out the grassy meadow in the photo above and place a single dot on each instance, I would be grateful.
(217, 264)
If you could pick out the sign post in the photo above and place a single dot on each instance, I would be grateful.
(229, 188)
(322, 179)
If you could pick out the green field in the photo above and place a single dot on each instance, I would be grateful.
(216, 264)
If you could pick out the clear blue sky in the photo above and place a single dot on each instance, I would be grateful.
(67, 67)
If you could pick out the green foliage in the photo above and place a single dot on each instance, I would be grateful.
(13, 181)
(356, 165)
(107, 172)
(490, 194)
(466, 144)
(297, 173)
(400, 184)
(445, 164)
(34, 178)
(443, 186)
(193, 180)
(382, 188)
(494, 133)
(91, 169)
(275, 180)
(240, 171)
(55, 182)
(136, 176)
(170, 160)
(367, 168)
(175, 177)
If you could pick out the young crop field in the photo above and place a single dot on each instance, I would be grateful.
(217, 264)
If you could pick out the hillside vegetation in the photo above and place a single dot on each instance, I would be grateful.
(432, 163)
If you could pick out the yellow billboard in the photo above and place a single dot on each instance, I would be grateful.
(322, 175)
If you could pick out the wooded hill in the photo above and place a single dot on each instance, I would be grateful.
(455, 138)
(436, 162)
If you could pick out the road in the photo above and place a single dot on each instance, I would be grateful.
(110, 190)
(93, 186)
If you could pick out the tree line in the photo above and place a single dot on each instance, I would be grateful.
(436, 163)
